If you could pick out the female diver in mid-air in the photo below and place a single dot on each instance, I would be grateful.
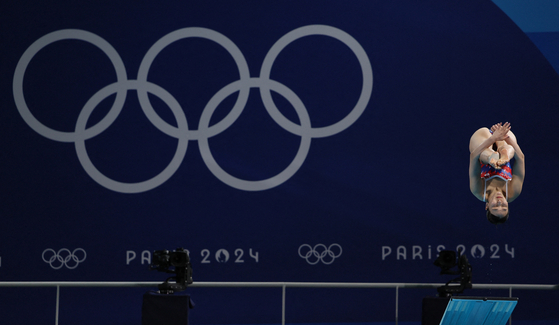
(499, 184)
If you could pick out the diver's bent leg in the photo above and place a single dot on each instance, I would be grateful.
(488, 155)
(478, 137)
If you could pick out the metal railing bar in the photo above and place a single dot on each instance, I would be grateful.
(397, 305)
(57, 305)
(283, 305)
(517, 286)
(283, 285)
(510, 296)
(271, 285)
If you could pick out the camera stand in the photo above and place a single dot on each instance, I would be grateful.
(165, 309)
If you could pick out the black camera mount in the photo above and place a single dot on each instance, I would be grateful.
(446, 261)
(176, 262)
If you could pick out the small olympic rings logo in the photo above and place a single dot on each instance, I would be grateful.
(181, 131)
(320, 252)
(64, 257)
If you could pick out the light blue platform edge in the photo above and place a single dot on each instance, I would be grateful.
(478, 311)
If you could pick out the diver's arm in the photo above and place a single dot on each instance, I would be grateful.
(475, 179)
(518, 170)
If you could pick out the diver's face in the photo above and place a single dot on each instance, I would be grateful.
(498, 205)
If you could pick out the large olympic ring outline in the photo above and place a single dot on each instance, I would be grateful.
(319, 252)
(182, 131)
(57, 257)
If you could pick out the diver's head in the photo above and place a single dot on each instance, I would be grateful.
(497, 207)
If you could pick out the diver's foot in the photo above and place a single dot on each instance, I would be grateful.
(494, 160)
(503, 158)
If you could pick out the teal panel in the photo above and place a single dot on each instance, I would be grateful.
(478, 312)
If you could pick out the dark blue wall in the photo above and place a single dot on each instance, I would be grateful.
(361, 148)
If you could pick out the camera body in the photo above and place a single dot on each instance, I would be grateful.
(176, 262)
(448, 260)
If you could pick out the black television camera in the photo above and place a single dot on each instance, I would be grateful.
(446, 261)
(176, 262)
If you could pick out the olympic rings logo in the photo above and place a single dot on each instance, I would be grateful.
(64, 258)
(181, 131)
(320, 252)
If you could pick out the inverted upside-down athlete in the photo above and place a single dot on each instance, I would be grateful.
(491, 152)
